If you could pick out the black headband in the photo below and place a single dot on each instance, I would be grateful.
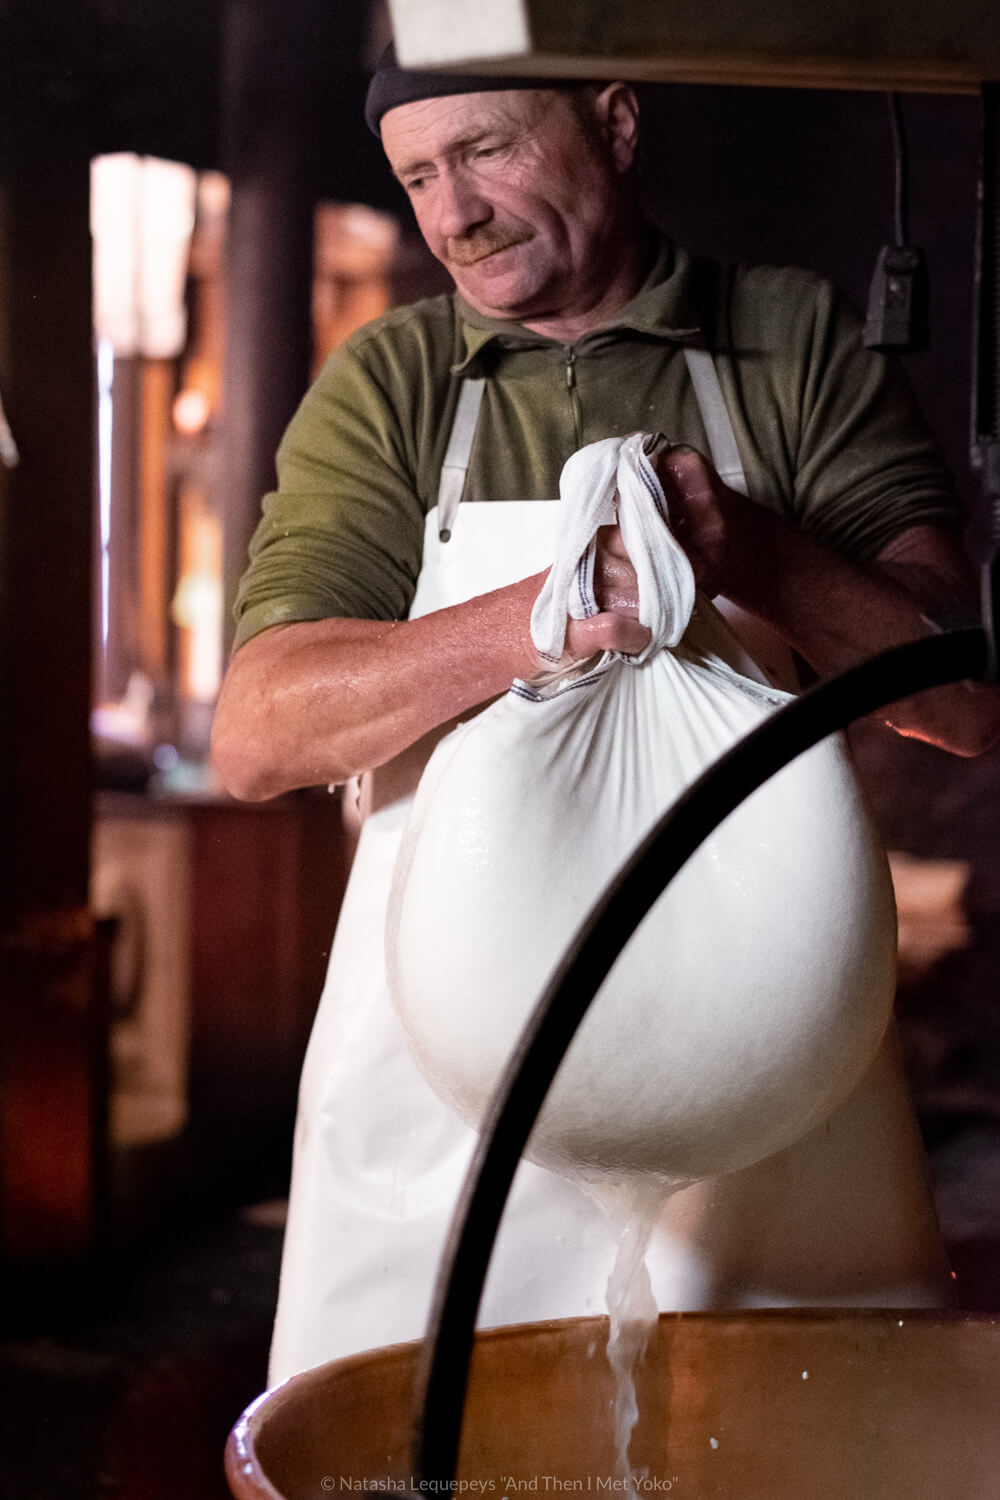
(392, 85)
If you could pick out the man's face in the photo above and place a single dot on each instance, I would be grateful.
(513, 194)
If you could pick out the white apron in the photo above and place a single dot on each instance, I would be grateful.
(844, 1217)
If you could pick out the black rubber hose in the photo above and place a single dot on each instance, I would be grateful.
(443, 1377)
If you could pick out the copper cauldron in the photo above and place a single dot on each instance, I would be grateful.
(867, 1405)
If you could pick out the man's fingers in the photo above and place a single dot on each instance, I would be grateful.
(615, 584)
(688, 482)
(701, 510)
(609, 631)
(610, 543)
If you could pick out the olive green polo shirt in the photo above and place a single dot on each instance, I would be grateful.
(828, 431)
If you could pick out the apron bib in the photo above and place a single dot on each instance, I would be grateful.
(844, 1217)
(379, 1159)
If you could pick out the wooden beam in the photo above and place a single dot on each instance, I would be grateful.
(270, 136)
(51, 1029)
(931, 45)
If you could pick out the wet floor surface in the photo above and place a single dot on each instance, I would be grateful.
(129, 1390)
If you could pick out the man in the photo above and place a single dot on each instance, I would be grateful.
(570, 323)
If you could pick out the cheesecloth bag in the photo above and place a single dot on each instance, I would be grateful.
(754, 994)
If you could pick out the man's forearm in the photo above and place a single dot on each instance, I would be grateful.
(831, 611)
(835, 613)
(320, 701)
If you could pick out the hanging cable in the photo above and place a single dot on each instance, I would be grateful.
(986, 361)
(898, 301)
(900, 203)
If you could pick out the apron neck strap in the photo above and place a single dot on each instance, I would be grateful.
(715, 416)
(456, 458)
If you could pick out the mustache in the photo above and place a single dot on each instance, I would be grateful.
(466, 249)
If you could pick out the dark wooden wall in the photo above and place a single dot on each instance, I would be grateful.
(52, 1097)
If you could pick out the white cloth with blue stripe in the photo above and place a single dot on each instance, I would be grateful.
(755, 994)
(607, 482)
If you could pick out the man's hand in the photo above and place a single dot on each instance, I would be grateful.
(832, 611)
(617, 626)
(709, 520)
